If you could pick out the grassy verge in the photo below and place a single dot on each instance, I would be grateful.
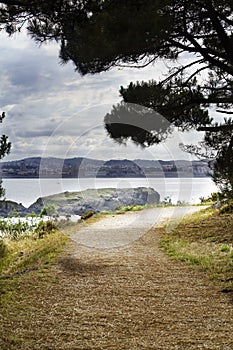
(204, 240)
(24, 256)
(124, 209)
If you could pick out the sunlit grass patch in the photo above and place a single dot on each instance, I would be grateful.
(205, 240)
(30, 252)
(125, 209)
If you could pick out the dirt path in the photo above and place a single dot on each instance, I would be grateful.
(129, 296)
(120, 230)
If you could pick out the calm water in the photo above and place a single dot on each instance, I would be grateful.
(26, 191)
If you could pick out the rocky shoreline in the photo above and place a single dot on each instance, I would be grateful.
(80, 203)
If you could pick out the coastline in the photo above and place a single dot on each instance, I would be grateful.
(28, 190)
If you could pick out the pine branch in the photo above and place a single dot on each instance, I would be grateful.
(216, 128)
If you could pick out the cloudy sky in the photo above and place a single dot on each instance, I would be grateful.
(53, 111)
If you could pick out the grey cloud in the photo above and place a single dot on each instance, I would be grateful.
(29, 75)
(25, 77)
(56, 111)
(35, 133)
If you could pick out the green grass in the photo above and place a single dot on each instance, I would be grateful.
(125, 209)
(204, 240)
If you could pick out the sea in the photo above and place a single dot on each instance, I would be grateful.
(185, 190)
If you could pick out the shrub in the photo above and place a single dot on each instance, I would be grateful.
(227, 208)
(14, 229)
(49, 209)
(44, 228)
(86, 216)
(214, 197)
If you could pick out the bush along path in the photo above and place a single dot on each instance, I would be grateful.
(122, 297)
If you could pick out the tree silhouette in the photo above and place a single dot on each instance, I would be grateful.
(5, 147)
(195, 36)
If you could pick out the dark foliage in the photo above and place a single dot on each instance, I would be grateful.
(5, 147)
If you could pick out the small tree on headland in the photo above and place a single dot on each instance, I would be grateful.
(49, 209)
(5, 147)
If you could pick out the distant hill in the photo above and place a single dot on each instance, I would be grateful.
(120, 168)
(35, 167)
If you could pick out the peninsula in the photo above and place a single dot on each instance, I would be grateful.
(36, 167)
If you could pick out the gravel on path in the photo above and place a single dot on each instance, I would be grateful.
(120, 230)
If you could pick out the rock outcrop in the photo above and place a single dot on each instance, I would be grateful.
(79, 203)
(8, 207)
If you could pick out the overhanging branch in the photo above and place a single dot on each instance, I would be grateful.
(181, 70)
(225, 112)
(216, 128)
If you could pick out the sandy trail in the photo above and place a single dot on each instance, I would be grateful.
(121, 230)
(123, 294)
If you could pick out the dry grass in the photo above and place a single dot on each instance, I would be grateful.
(23, 256)
(120, 299)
